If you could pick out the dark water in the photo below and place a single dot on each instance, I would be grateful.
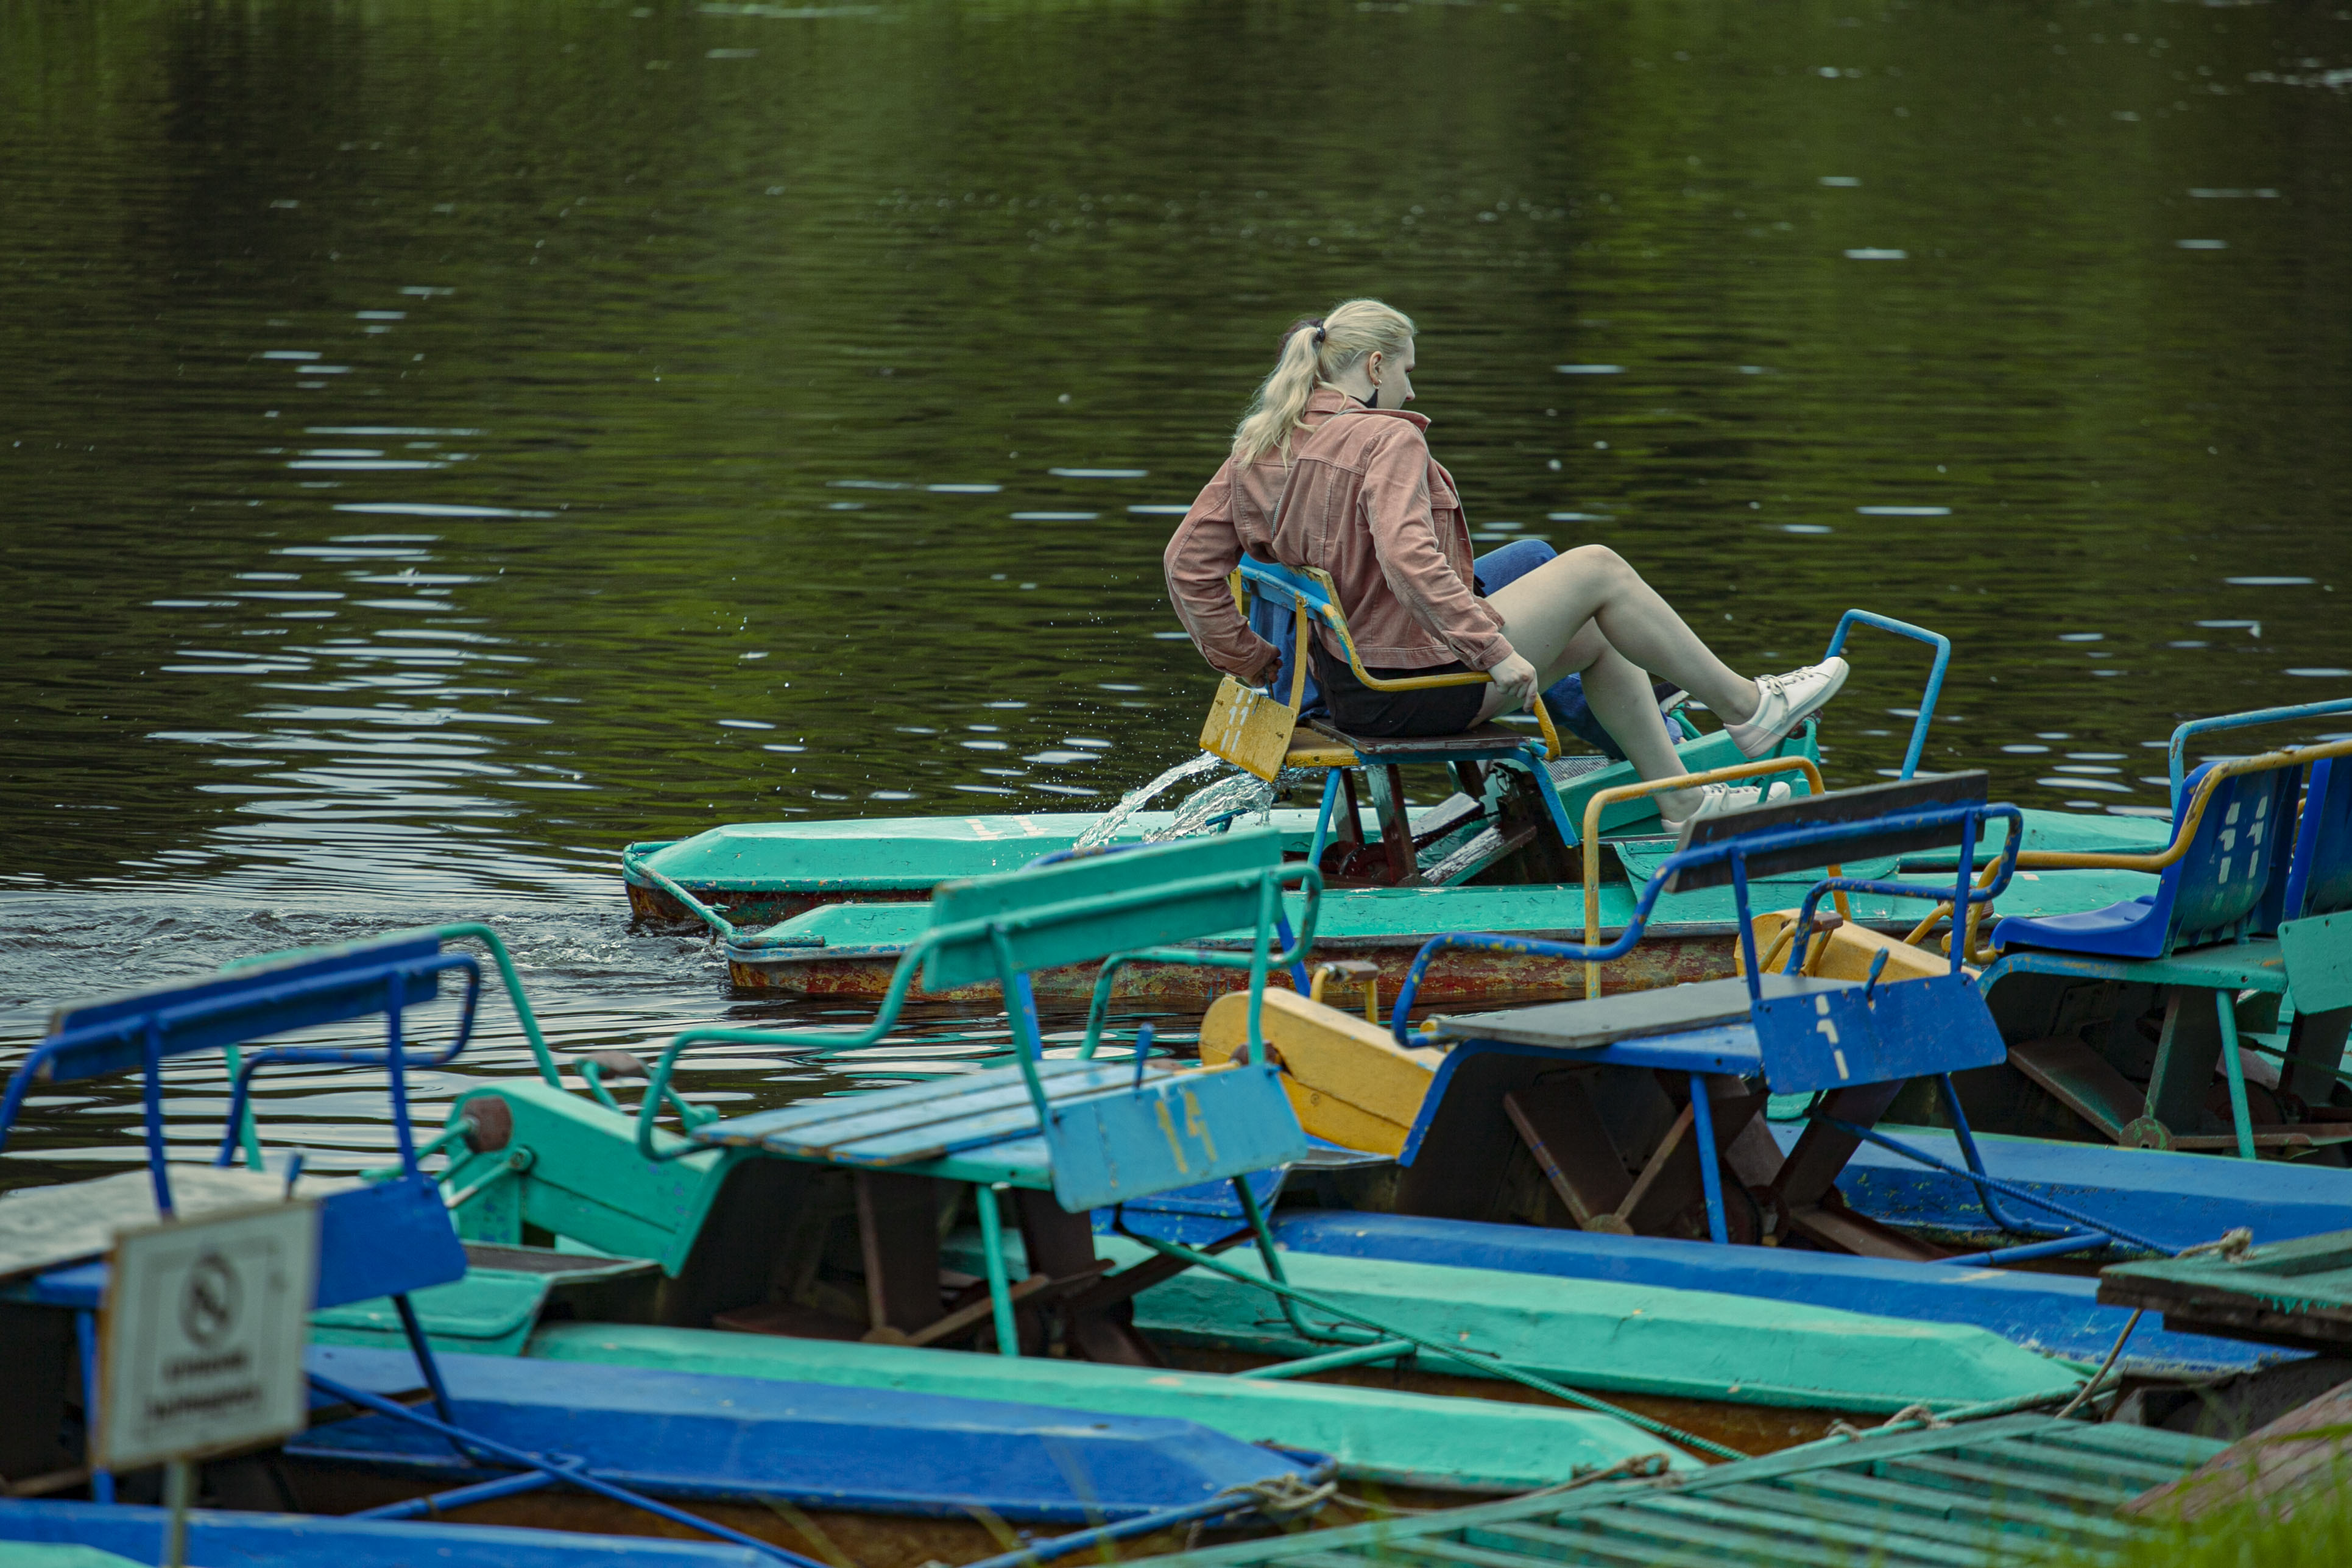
(442, 442)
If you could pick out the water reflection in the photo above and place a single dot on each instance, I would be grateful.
(442, 444)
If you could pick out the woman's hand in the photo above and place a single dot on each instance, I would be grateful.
(1516, 678)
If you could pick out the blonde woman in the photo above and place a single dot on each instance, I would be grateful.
(1330, 470)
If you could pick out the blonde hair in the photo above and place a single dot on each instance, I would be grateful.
(1312, 355)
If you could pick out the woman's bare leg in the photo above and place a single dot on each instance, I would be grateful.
(1587, 611)
(1545, 612)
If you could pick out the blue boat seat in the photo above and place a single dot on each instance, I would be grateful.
(1635, 1107)
(2244, 908)
(2211, 894)
(380, 1239)
(2320, 879)
(388, 1237)
(1526, 818)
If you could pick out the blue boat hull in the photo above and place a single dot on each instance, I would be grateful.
(2055, 1313)
(300, 1540)
(700, 1436)
(2174, 1199)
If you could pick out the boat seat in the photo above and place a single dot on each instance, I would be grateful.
(44, 1228)
(2320, 879)
(1485, 742)
(380, 1238)
(1635, 1107)
(1644, 1022)
(1065, 1136)
(2208, 895)
(2229, 915)
(1519, 818)
(389, 1236)
(984, 1127)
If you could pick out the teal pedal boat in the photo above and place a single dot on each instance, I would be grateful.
(1527, 842)
(826, 908)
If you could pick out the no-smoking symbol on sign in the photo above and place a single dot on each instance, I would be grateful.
(208, 1303)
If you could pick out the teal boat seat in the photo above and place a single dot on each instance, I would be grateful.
(2211, 894)
(1065, 1136)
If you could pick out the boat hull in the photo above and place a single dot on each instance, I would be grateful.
(305, 1541)
(838, 903)
(1463, 977)
(696, 1436)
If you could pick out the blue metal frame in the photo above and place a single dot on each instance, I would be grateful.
(297, 991)
(1969, 817)
(2177, 750)
(1274, 578)
(167, 1029)
(1935, 689)
(1735, 851)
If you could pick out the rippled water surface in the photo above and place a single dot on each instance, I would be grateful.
(440, 443)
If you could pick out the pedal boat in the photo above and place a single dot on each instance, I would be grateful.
(826, 908)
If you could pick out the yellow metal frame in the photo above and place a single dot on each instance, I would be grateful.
(1347, 969)
(2267, 762)
(2097, 860)
(1332, 616)
(1607, 797)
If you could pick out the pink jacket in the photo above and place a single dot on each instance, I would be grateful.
(1373, 509)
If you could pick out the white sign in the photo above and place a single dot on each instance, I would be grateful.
(202, 1335)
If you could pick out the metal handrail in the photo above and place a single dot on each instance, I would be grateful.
(995, 928)
(2176, 750)
(2266, 762)
(1607, 797)
(1935, 688)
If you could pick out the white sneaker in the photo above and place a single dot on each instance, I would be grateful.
(1785, 702)
(1716, 799)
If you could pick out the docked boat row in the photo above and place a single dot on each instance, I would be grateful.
(1680, 1230)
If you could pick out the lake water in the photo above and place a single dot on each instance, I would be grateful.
(440, 443)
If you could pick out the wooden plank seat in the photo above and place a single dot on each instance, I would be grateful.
(2253, 902)
(1641, 1021)
(1062, 1137)
(1486, 742)
(48, 1227)
(982, 1127)
(1637, 1107)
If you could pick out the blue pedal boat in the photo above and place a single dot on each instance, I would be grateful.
(487, 1428)
(1643, 1115)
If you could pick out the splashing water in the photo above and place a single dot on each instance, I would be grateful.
(1243, 793)
(1135, 800)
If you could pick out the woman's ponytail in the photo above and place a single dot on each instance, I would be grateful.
(1312, 353)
